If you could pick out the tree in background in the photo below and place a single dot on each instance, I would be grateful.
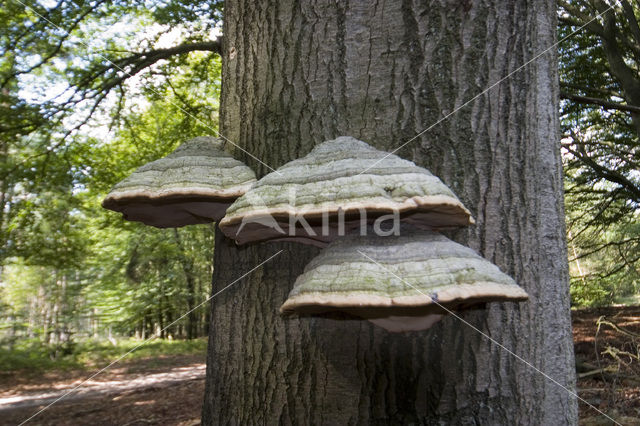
(600, 82)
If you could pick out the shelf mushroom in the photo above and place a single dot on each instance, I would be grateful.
(401, 283)
(321, 196)
(194, 184)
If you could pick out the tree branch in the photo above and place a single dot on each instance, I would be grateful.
(579, 18)
(600, 90)
(631, 17)
(56, 49)
(605, 173)
(619, 68)
(597, 101)
(596, 249)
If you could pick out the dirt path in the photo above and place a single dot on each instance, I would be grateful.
(145, 392)
(94, 388)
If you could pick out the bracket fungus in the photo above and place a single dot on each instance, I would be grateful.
(401, 283)
(194, 184)
(340, 185)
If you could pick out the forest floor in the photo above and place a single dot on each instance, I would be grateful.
(169, 390)
(152, 391)
(607, 346)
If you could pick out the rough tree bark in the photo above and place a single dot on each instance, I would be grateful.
(295, 74)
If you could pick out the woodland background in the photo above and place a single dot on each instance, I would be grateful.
(91, 90)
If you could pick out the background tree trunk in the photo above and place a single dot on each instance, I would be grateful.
(297, 74)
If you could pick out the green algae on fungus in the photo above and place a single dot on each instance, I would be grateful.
(401, 283)
(194, 184)
(339, 185)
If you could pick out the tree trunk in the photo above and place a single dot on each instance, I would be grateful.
(160, 311)
(187, 267)
(4, 188)
(296, 74)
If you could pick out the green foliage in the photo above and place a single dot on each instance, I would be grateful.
(32, 357)
(133, 278)
(605, 261)
(599, 66)
(74, 126)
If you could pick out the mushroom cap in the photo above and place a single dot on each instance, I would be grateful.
(194, 184)
(442, 276)
(345, 177)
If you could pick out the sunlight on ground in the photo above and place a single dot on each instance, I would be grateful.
(147, 402)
